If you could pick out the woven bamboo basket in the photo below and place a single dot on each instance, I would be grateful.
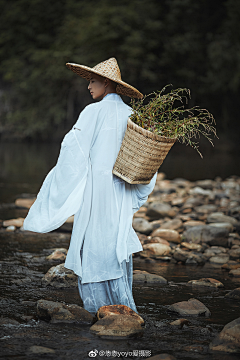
(141, 154)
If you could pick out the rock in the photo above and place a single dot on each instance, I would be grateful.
(162, 357)
(206, 209)
(227, 226)
(25, 203)
(118, 310)
(229, 338)
(172, 224)
(190, 223)
(219, 217)
(231, 265)
(192, 307)
(62, 313)
(11, 228)
(117, 326)
(155, 240)
(179, 323)
(180, 255)
(234, 253)
(8, 321)
(219, 259)
(209, 282)
(58, 254)
(143, 226)
(235, 273)
(206, 184)
(70, 220)
(159, 210)
(40, 350)
(145, 277)
(167, 234)
(206, 234)
(59, 276)
(233, 294)
(191, 246)
(13, 222)
(157, 249)
(199, 191)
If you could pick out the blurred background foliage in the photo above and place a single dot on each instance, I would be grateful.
(194, 44)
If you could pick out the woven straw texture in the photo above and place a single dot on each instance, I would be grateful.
(141, 154)
(109, 69)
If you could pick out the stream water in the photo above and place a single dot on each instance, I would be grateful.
(23, 264)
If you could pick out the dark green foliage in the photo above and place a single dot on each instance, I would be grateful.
(192, 44)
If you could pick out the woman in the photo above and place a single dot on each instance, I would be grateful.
(82, 184)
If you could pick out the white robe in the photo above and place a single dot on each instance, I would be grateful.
(82, 184)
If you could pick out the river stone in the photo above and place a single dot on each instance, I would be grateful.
(62, 313)
(162, 357)
(157, 249)
(117, 327)
(219, 259)
(59, 276)
(233, 294)
(219, 217)
(179, 323)
(206, 282)
(58, 254)
(227, 226)
(206, 184)
(13, 222)
(172, 224)
(24, 203)
(107, 310)
(167, 234)
(206, 209)
(192, 307)
(199, 191)
(231, 265)
(142, 225)
(145, 277)
(190, 223)
(229, 338)
(207, 234)
(158, 210)
(235, 273)
(180, 255)
(156, 239)
(191, 246)
(40, 350)
(11, 228)
(234, 254)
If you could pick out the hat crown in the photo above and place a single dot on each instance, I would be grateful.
(109, 68)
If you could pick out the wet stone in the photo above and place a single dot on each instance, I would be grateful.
(219, 217)
(207, 234)
(233, 294)
(174, 224)
(58, 254)
(235, 273)
(167, 234)
(145, 277)
(180, 323)
(231, 265)
(209, 282)
(40, 350)
(118, 310)
(59, 276)
(192, 307)
(57, 312)
(219, 259)
(142, 225)
(157, 249)
(234, 254)
(224, 225)
(229, 338)
(158, 210)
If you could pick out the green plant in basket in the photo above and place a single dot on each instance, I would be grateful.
(165, 114)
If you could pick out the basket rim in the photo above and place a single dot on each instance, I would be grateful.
(148, 133)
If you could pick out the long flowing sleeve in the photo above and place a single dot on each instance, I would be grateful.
(62, 191)
(140, 193)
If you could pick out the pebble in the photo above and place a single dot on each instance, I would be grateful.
(58, 254)
(159, 210)
(235, 273)
(221, 218)
(11, 228)
(157, 249)
(13, 222)
(233, 294)
(142, 225)
(219, 259)
(209, 282)
(167, 234)
(228, 340)
(145, 277)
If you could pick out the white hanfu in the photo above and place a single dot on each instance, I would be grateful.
(82, 184)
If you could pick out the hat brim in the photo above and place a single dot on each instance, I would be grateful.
(122, 87)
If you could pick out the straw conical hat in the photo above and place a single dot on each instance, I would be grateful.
(109, 69)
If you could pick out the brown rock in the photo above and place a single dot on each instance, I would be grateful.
(192, 307)
(13, 222)
(167, 234)
(191, 223)
(157, 240)
(148, 278)
(58, 254)
(234, 253)
(117, 327)
(229, 338)
(235, 273)
(231, 265)
(233, 294)
(206, 282)
(157, 249)
(191, 246)
(40, 350)
(118, 310)
(25, 203)
(179, 323)
(172, 224)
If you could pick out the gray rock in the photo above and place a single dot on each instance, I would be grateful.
(180, 255)
(172, 224)
(235, 272)
(206, 184)
(233, 294)
(227, 226)
(206, 234)
(219, 217)
(234, 254)
(219, 259)
(159, 210)
(142, 225)
(229, 338)
(59, 276)
(206, 209)
(192, 307)
(62, 313)
(145, 277)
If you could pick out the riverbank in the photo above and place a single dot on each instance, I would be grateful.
(190, 235)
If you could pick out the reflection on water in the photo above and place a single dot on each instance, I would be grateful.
(23, 166)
